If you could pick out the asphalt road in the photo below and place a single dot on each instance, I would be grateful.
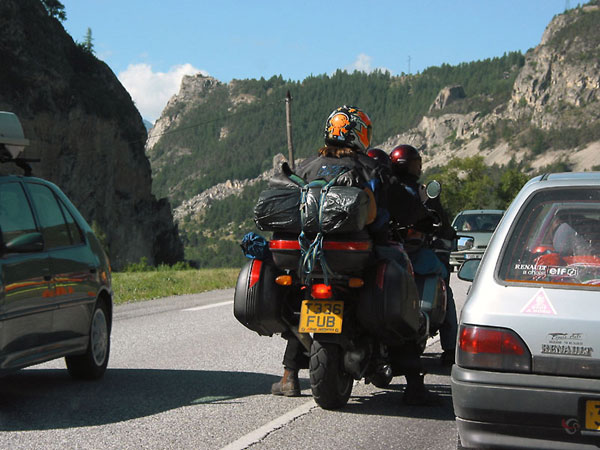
(184, 374)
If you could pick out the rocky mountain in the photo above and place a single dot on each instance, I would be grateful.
(215, 143)
(553, 113)
(555, 97)
(85, 128)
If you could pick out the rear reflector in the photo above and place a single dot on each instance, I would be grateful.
(492, 348)
(255, 272)
(362, 246)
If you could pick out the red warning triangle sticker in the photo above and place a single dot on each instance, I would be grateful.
(539, 304)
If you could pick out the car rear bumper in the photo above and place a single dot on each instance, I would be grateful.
(522, 410)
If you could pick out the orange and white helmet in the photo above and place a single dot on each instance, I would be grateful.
(348, 126)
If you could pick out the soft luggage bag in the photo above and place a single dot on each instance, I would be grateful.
(278, 209)
(336, 209)
(257, 302)
(388, 306)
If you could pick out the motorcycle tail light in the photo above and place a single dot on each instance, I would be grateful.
(321, 291)
(492, 348)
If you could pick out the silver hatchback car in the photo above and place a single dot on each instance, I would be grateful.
(527, 372)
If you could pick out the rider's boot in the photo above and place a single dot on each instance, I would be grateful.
(416, 394)
(289, 385)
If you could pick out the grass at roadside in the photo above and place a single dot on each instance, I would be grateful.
(138, 286)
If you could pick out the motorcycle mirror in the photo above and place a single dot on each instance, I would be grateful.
(465, 243)
(433, 189)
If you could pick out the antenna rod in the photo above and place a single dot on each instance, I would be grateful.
(288, 117)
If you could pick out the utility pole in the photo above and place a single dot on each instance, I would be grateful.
(288, 118)
(409, 64)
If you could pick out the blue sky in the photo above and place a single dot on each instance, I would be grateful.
(151, 44)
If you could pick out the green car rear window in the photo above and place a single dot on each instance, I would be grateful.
(556, 240)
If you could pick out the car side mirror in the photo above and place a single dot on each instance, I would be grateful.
(433, 189)
(465, 243)
(469, 269)
(29, 242)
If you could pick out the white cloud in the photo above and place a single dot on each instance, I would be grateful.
(152, 90)
(363, 64)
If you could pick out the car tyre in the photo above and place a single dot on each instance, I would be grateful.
(92, 364)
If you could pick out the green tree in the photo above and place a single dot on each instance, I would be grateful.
(511, 182)
(55, 9)
(467, 184)
(87, 43)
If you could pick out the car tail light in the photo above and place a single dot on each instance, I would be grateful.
(321, 291)
(492, 348)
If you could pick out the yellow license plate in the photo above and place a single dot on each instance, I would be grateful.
(321, 316)
(592, 414)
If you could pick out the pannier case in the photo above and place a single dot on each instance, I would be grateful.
(432, 291)
(257, 302)
(388, 306)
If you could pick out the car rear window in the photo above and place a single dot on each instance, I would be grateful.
(555, 240)
(484, 222)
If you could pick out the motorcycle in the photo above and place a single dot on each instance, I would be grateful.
(349, 302)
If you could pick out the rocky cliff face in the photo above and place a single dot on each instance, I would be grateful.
(83, 125)
(557, 89)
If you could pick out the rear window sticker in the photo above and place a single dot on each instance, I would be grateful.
(539, 304)
(530, 269)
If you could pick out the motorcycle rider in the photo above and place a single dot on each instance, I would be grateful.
(406, 167)
(347, 137)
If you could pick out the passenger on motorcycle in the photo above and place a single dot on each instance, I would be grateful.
(347, 138)
(406, 168)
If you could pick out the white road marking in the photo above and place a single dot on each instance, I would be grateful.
(214, 305)
(260, 433)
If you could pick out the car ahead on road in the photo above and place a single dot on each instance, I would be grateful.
(55, 281)
(478, 224)
(527, 372)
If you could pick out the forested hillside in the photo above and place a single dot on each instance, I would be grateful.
(483, 128)
(223, 138)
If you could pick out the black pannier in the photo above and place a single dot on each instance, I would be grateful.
(341, 209)
(257, 302)
(388, 306)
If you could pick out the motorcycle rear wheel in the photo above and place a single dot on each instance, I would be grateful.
(331, 385)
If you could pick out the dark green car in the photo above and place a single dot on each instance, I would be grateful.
(55, 281)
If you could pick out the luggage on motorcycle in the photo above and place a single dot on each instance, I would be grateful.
(257, 302)
(345, 254)
(278, 209)
(432, 291)
(341, 209)
(388, 306)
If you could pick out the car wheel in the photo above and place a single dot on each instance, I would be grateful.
(92, 364)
